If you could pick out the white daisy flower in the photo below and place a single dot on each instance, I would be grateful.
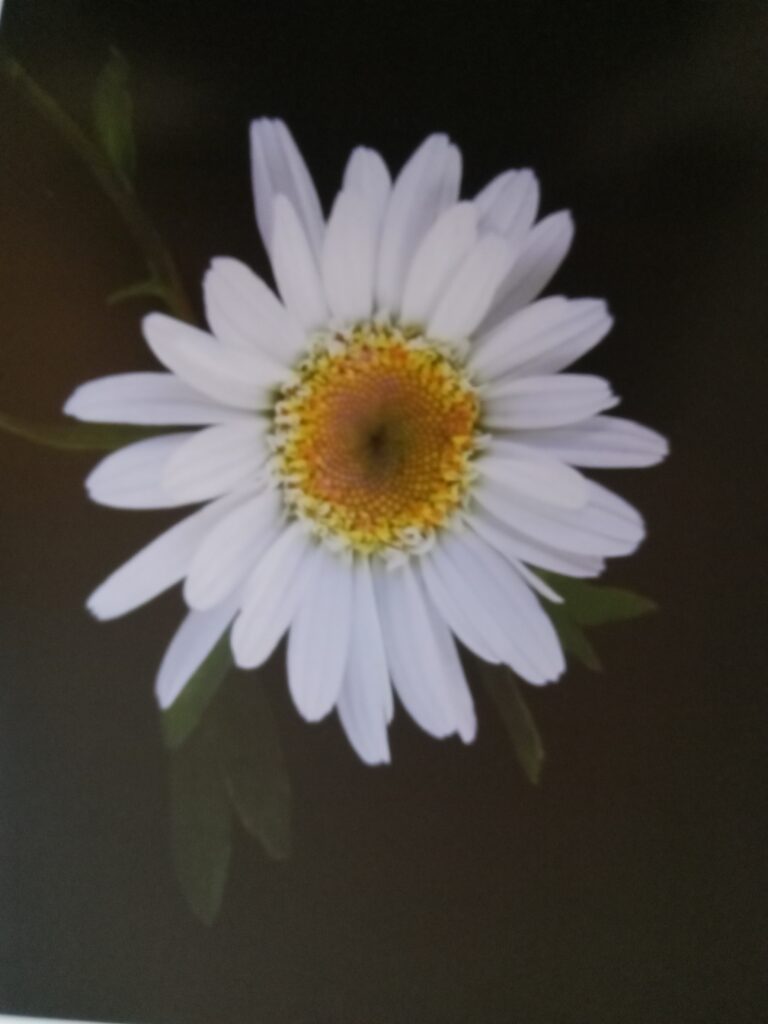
(384, 454)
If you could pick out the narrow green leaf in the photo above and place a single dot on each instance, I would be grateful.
(182, 718)
(592, 604)
(112, 108)
(201, 823)
(151, 288)
(254, 766)
(574, 639)
(506, 694)
(73, 436)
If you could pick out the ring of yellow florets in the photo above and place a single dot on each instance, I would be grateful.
(373, 440)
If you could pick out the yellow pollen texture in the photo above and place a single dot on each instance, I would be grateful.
(373, 440)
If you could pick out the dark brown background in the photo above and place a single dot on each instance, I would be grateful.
(630, 887)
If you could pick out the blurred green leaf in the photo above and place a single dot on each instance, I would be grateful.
(112, 108)
(74, 436)
(182, 718)
(201, 822)
(573, 638)
(592, 604)
(506, 694)
(150, 288)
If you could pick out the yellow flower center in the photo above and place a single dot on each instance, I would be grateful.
(373, 439)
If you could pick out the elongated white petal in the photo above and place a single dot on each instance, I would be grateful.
(602, 527)
(132, 477)
(507, 205)
(503, 606)
(525, 471)
(367, 176)
(230, 375)
(318, 643)
(541, 339)
(158, 566)
(537, 584)
(422, 666)
(271, 596)
(348, 259)
(517, 547)
(530, 403)
(218, 459)
(437, 258)
(230, 549)
(296, 268)
(427, 185)
(469, 293)
(144, 398)
(365, 703)
(541, 254)
(192, 643)
(603, 442)
(279, 169)
(242, 311)
(453, 610)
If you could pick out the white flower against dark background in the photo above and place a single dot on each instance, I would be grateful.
(385, 454)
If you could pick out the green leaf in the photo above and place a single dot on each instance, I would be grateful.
(254, 766)
(73, 436)
(506, 694)
(574, 639)
(591, 604)
(201, 823)
(182, 718)
(112, 108)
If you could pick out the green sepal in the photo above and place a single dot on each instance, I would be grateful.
(592, 604)
(75, 436)
(254, 766)
(150, 288)
(506, 693)
(112, 110)
(201, 822)
(182, 718)
(573, 638)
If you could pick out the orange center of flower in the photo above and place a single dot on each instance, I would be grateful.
(373, 439)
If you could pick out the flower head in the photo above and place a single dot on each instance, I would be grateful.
(384, 454)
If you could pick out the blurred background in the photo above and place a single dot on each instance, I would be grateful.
(630, 886)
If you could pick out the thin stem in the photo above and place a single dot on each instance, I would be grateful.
(160, 264)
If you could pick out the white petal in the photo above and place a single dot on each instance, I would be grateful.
(453, 610)
(537, 584)
(144, 398)
(158, 566)
(271, 596)
(417, 662)
(604, 442)
(193, 642)
(365, 702)
(508, 205)
(541, 339)
(525, 471)
(348, 260)
(531, 403)
(132, 476)
(438, 256)
(603, 527)
(296, 269)
(279, 169)
(469, 293)
(230, 550)
(231, 375)
(366, 175)
(318, 644)
(541, 254)
(503, 606)
(243, 311)
(516, 546)
(218, 459)
(427, 185)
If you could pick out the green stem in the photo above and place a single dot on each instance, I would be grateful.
(159, 261)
